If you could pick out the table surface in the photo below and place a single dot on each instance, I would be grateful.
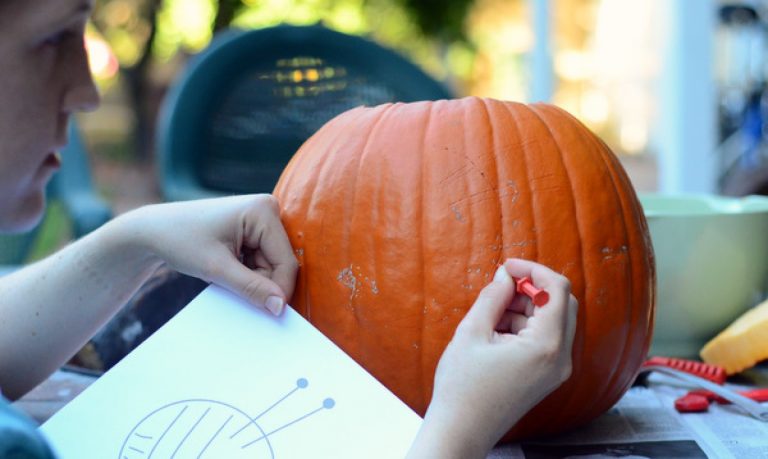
(59, 389)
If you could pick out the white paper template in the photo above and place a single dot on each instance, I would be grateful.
(223, 380)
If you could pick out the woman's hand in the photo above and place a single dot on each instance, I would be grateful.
(504, 358)
(237, 242)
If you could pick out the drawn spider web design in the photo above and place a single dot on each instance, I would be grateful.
(203, 428)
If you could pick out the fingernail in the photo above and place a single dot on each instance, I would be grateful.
(274, 304)
(501, 274)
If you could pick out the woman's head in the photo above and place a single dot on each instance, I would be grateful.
(45, 78)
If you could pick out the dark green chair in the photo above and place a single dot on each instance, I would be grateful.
(73, 187)
(243, 106)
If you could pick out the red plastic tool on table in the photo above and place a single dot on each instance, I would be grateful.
(711, 378)
(698, 400)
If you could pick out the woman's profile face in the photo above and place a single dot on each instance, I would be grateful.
(44, 78)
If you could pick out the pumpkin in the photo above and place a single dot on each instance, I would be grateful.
(742, 344)
(400, 214)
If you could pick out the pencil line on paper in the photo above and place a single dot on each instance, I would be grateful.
(283, 427)
(189, 432)
(215, 435)
(264, 412)
(167, 429)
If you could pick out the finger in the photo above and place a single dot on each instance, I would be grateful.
(556, 319)
(570, 329)
(265, 231)
(255, 260)
(542, 276)
(260, 262)
(520, 304)
(505, 321)
(257, 289)
(552, 319)
(518, 323)
(260, 265)
(249, 257)
(482, 317)
(511, 323)
(529, 307)
(263, 272)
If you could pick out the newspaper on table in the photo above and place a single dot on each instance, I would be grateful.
(645, 424)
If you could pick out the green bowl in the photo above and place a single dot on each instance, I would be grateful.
(711, 265)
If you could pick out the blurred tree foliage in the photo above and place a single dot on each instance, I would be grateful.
(440, 19)
(226, 12)
(130, 27)
(145, 34)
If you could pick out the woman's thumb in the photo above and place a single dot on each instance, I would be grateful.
(491, 303)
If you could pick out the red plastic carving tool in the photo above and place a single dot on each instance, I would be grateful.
(707, 371)
(692, 403)
(758, 395)
(704, 376)
(538, 296)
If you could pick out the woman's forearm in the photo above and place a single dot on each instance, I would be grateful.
(460, 433)
(51, 308)
(441, 441)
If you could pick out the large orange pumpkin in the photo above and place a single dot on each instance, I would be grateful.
(400, 214)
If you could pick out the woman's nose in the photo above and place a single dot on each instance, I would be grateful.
(81, 94)
(82, 97)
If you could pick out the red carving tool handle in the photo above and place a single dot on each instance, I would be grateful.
(538, 296)
(711, 372)
(758, 395)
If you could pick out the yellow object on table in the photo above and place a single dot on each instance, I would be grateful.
(743, 344)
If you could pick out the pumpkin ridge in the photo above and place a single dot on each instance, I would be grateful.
(466, 293)
(524, 146)
(499, 188)
(618, 174)
(618, 370)
(608, 397)
(559, 414)
(425, 385)
(296, 164)
(373, 125)
(609, 393)
(531, 422)
(522, 158)
(607, 381)
(477, 218)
